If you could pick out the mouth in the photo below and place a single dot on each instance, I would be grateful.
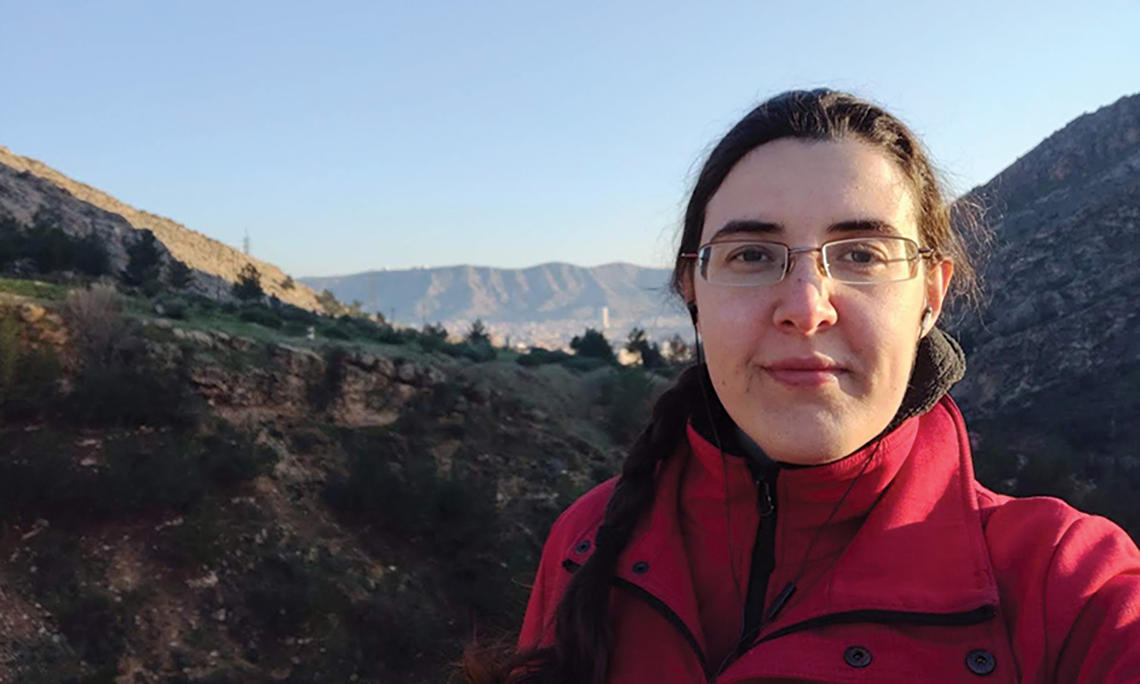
(804, 372)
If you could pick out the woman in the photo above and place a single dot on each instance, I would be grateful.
(802, 506)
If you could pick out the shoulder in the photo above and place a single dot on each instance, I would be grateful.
(1044, 522)
(1069, 585)
(581, 518)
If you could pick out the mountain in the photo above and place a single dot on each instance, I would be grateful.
(545, 304)
(29, 187)
(1054, 356)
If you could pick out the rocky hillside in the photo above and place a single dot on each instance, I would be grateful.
(1054, 357)
(200, 499)
(548, 303)
(28, 186)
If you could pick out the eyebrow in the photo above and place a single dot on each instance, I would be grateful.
(751, 226)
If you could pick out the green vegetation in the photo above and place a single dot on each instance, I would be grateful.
(144, 262)
(248, 285)
(593, 344)
(46, 248)
(648, 352)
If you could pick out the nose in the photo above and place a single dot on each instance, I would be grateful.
(803, 303)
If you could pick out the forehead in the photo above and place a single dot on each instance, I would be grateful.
(805, 187)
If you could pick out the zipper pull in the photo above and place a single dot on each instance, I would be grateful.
(781, 600)
(764, 499)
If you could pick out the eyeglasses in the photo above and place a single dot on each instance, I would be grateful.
(858, 261)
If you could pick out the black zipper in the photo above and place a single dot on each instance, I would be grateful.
(763, 563)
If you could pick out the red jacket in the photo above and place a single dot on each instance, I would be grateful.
(921, 575)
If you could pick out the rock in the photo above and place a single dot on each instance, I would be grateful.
(30, 313)
(385, 367)
(432, 377)
(242, 343)
(406, 372)
(200, 337)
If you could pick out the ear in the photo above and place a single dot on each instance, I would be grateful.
(937, 285)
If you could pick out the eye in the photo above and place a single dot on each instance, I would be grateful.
(751, 254)
(868, 253)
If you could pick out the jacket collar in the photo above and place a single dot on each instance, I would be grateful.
(907, 539)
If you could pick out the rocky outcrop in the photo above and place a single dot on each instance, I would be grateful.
(28, 186)
(1063, 266)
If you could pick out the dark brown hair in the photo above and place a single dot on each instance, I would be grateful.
(582, 644)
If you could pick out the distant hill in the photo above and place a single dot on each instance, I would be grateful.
(28, 186)
(1054, 358)
(544, 304)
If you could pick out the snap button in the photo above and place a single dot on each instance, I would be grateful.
(640, 567)
(980, 661)
(857, 656)
(582, 546)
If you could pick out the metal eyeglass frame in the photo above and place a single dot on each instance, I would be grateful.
(701, 256)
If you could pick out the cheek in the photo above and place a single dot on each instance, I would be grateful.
(732, 328)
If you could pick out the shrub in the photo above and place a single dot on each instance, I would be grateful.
(144, 260)
(478, 334)
(329, 303)
(284, 594)
(228, 456)
(261, 316)
(479, 352)
(648, 352)
(118, 384)
(94, 624)
(593, 344)
(248, 285)
(627, 395)
(95, 318)
(433, 337)
(28, 377)
(172, 307)
(143, 474)
(392, 627)
(537, 356)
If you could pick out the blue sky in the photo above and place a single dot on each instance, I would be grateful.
(357, 135)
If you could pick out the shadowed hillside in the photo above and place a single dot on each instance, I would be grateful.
(1051, 393)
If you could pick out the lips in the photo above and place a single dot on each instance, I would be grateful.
(810, 371)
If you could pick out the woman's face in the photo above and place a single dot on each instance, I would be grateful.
(811, 369)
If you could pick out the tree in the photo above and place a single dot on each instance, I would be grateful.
(478, 333)
(648, 352)
(433, 337)
(248, 285)
(593, 344)
(288, 283)
(329, 303)
(144, 260)
(677, 351)
(179, 275)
